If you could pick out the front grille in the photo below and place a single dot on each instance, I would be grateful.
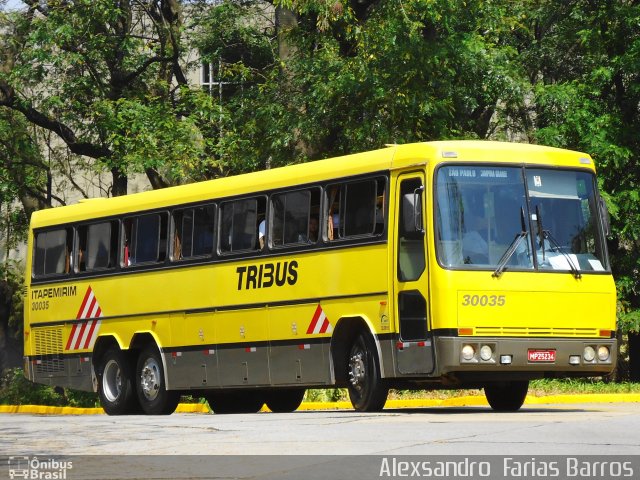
(48, 343)
(48, 340)
(536, 332)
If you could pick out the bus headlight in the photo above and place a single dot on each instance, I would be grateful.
(603, 353)
(486, 353)
(589, 354)
(468, 352)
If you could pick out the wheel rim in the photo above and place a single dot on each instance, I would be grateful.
(112, 381)
(150, 379)
(358, 368)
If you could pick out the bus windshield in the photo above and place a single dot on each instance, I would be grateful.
(523, 217)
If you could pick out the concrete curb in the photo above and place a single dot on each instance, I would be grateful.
(467, 401)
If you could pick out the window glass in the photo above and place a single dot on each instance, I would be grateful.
(97, 246)
(240, 221)
(295, 218)
(193, 232)
(519, 218)
(144, 239)
(564, 216)
(53, 252)
(480, 211)
(411, 251)
(355, 209)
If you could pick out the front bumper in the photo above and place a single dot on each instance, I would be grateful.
(516, 350)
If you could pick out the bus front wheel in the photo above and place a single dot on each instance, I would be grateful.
(506, 396)
(153, 396)
(367, 390)
(115, 386)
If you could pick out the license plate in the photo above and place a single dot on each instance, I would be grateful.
(542, 355)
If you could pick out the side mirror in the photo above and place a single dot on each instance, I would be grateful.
(604, 214)
(412, 212)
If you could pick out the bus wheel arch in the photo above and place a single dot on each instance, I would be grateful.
(357, 364)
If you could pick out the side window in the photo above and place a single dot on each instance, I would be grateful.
(145, 239)
(355, 209)
(242, 225)
(53, 252)
(294, 218)
(411, 251)
(193, 232)
(97, 246)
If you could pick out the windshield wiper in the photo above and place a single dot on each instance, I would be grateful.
(515, 243)
(546, 235)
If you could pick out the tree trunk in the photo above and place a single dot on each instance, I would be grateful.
(119, 187)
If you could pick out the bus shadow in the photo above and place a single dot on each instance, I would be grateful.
(444, 410)
(481, 410)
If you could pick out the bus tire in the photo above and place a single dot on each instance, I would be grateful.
(249, 401)
(367, 390)
(115, 383)
(284, 401)
(506, 396)
(153, 396)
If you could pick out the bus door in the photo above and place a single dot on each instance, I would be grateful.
(414, 347)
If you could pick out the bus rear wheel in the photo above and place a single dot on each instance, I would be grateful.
(283, 401)
(236, 402)
(153, 396)
(115, 385)
(367, 390)
(506, 396)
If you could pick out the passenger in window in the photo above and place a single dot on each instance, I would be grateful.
(82, 266)
(474, 244)
(261, 233)
(127, 260)
(313, 228)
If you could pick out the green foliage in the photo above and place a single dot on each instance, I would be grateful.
(15, 389)
(326, 395)
(11, 298)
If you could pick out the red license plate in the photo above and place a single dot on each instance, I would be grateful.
(542, 355)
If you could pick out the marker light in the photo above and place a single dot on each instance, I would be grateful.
(603, 353)
(589, 354)
(574, 360)
(486, 353)
(468, 352)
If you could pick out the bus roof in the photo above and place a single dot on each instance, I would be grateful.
(390, 157)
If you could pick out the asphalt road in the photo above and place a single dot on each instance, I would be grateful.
(550, 429)
(574, 429)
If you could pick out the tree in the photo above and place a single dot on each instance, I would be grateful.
(583, 62)
(108, 79)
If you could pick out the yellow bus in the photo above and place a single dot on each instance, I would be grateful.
(454, 264)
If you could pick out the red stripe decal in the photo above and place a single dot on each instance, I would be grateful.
(73, 330)
(325, 325)
(82, 329)
(316, 317)
(90, 335)
(84, 303)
